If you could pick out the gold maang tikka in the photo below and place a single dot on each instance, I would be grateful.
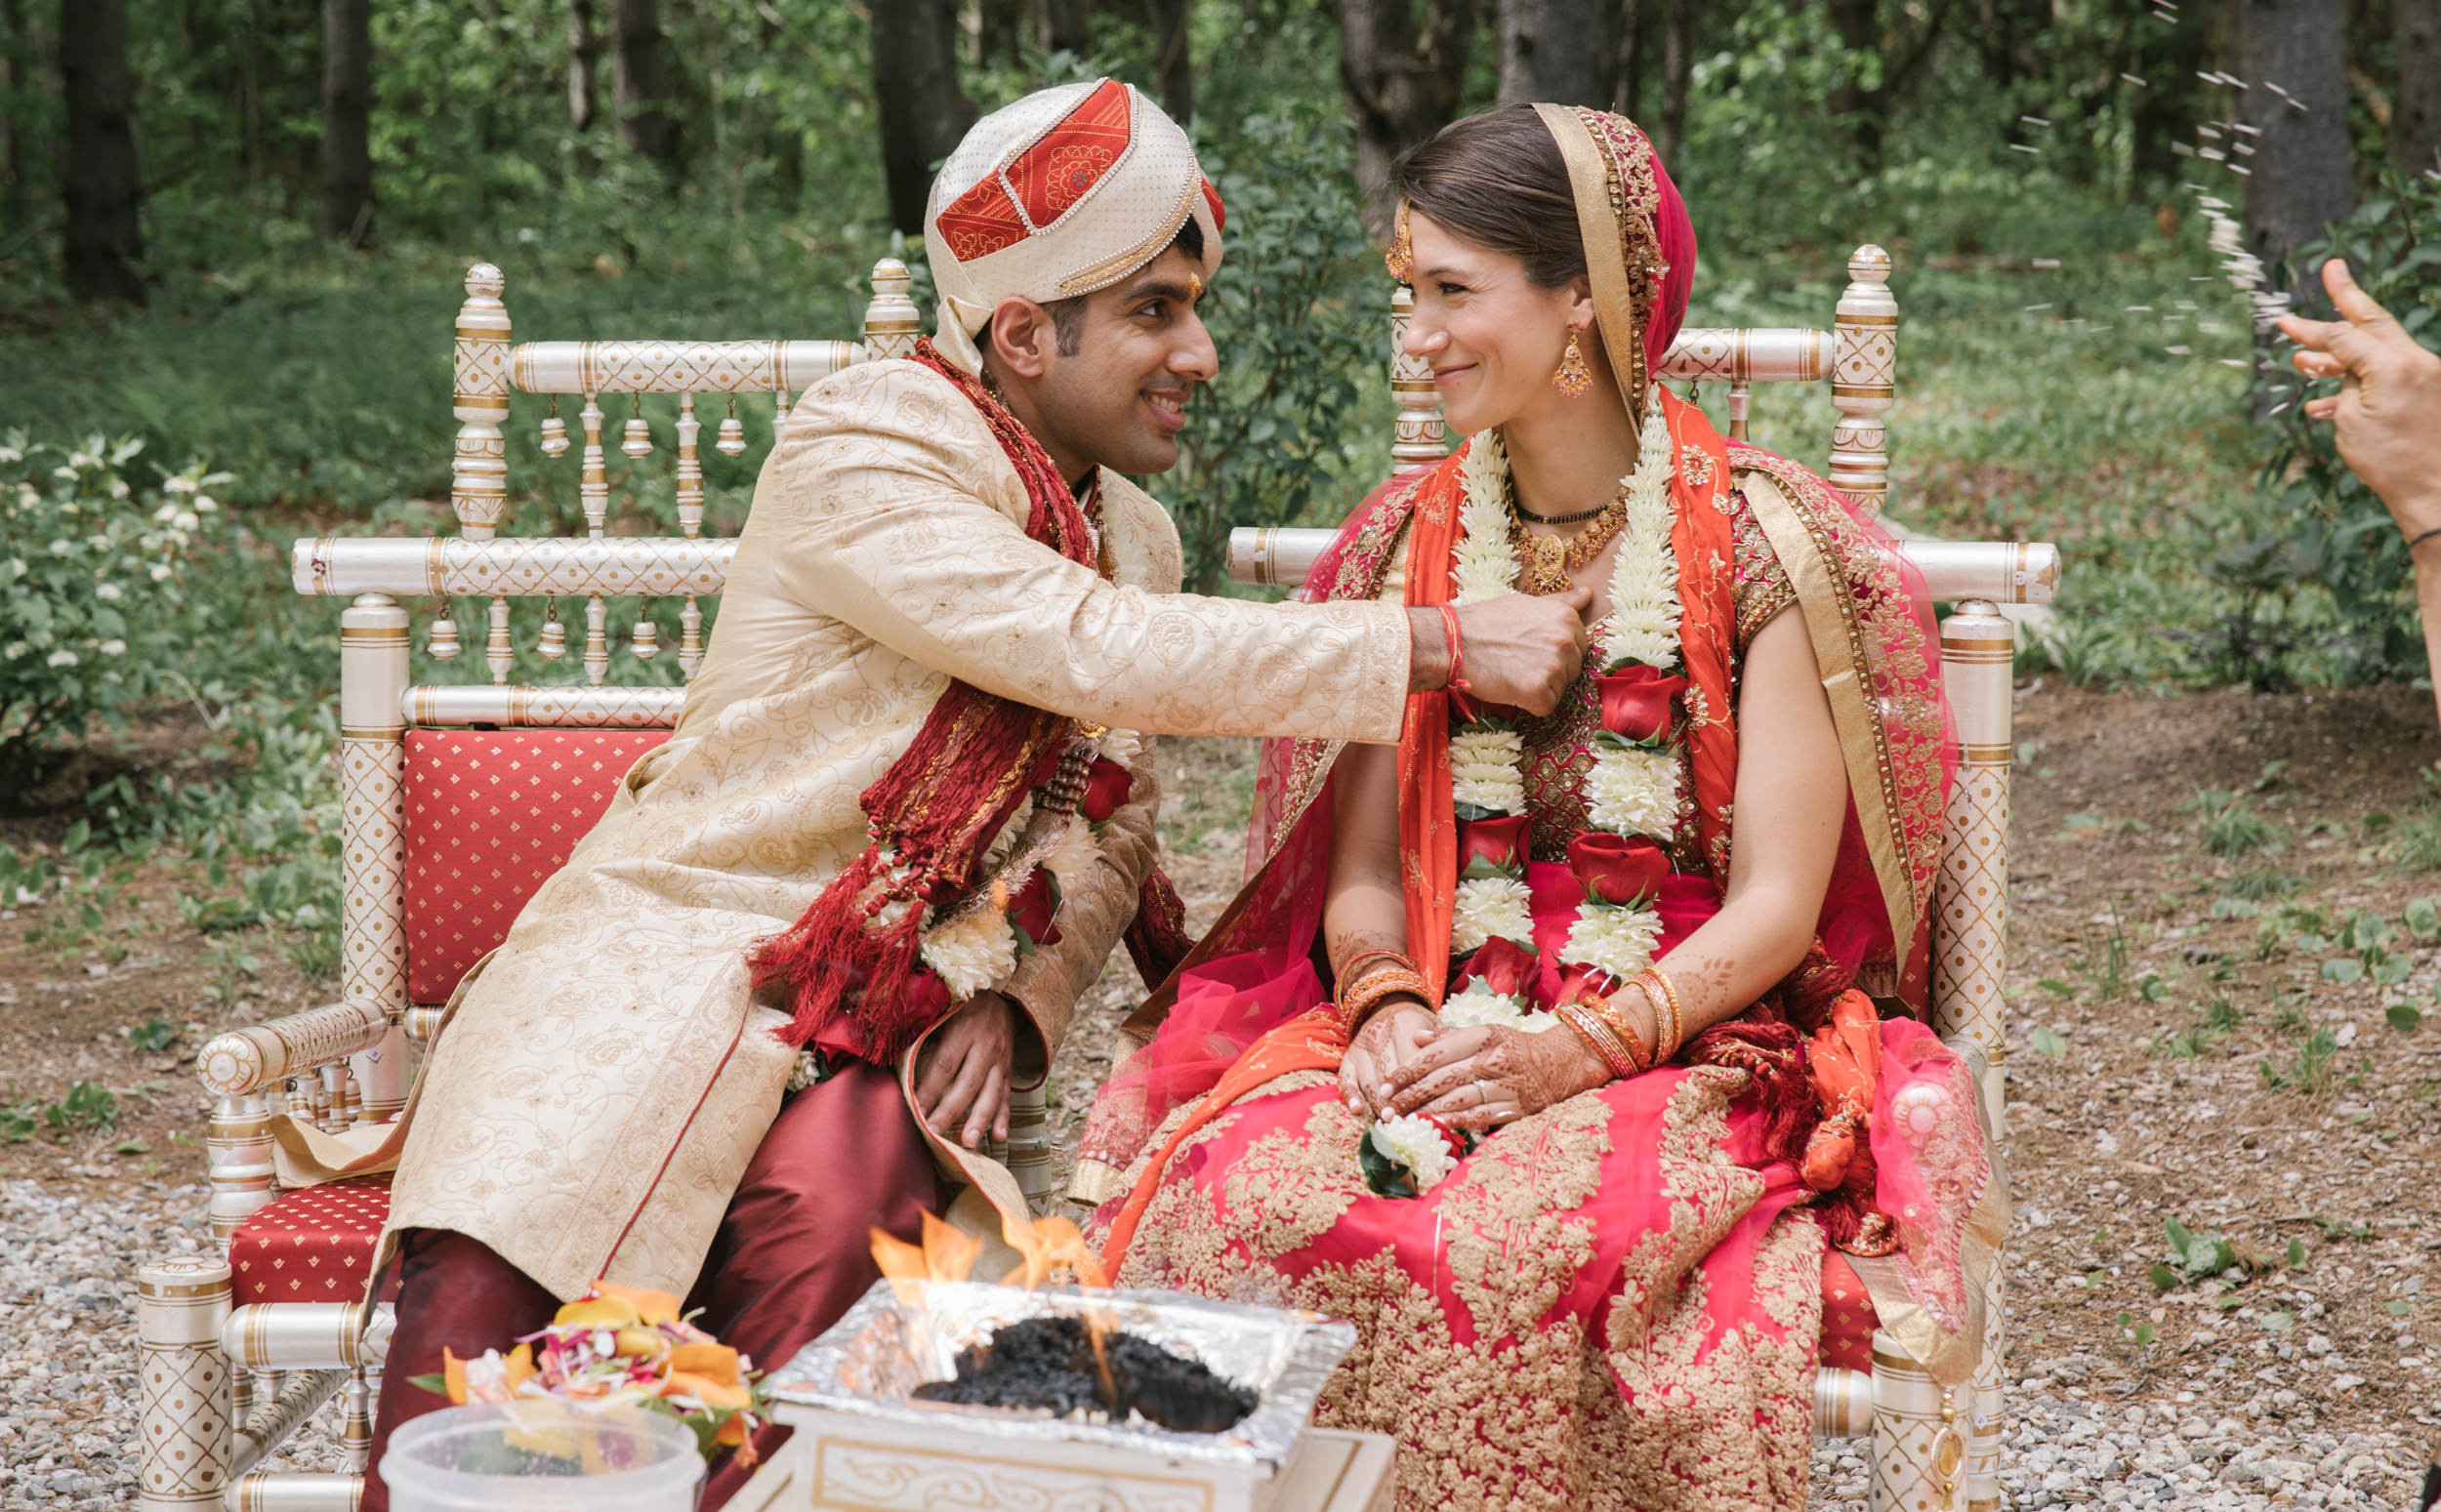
(1400, 260)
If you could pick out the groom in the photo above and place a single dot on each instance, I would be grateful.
(948, 611)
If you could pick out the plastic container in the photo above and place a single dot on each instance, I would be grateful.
(542, 1455)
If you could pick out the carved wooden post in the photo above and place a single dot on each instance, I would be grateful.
(182, 1383)
(891, 322)
(237, 1155)
(1864, 372)
(1422, 439)
(1919, 1439)
(1971, 912)
(479, 478)
(372, 830)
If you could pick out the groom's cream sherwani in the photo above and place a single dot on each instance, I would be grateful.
(602, 1080)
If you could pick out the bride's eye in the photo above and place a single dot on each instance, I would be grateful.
(1448, 289)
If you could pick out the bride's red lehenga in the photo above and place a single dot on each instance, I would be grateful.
(1616, 1303)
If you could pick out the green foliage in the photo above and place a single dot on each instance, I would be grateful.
(91, 551)
(88, 1105)
(2307, 1072)
(1297, 315)
(153, 1034)
(2228, 824)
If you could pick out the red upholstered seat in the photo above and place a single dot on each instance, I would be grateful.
(313, 1245)
(490, 814)
(1848, 1316)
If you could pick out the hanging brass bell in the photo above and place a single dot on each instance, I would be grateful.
(639, 442)
(646, 644)
(445, 641)
(732, 437)
(555, 436)
(554, 642)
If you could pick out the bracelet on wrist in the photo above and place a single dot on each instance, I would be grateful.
(2419, 538)
(1456, 650)
(1359, 1000)
(1643, 1052)
(1669, 1036)
(1600, 1037)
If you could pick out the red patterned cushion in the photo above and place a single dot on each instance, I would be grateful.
(490, 814)
(313, 1245)
(1848, 1316)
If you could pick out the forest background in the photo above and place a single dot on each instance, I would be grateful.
(233, 234)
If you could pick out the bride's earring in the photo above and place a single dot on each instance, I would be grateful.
(1573, 376)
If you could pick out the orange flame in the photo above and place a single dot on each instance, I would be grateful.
(1100, 1325)
(1048, 1247)
(946, 1254)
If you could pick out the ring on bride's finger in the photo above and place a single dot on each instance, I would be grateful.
(1482, 1093)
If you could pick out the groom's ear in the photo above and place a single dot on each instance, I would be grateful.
(1021, 338)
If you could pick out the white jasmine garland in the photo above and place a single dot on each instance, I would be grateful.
(1483, 770)
(1122, 747)
(1479, 1006)
(973, 953)
(1630, 791)
(1073, 856)
(1616, 940)
(1416, 1143)
(1487, 907)
(1643, 625)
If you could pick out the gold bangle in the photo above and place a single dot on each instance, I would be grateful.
(1650, 980)
(1591, 1027)
(1358, 1001)
(1645, 1056)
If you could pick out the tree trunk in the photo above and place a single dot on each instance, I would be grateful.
(637, 88)
(1860, 108)
(1172, 67)
(1560, 51)
(2416, 118)
(1401, 74)
(1677, 66)
(346, 110)
(1064, 26)
(2299, 182)
(1627, 95)
(584, 60)
(14, 72)
(101, 187)
(922, 109)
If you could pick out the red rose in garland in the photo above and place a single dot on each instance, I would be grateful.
(1638, 703)
(1106, 788)
(1617, 869)
(1492, 847)
(1032, 906)
(1502, 966)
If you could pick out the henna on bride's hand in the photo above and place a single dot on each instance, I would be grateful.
(1526, 1072)
(1373, 1057)
(1356, 944)
(1450, 1048)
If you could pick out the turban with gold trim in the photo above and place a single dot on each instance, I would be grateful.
(1069, 191)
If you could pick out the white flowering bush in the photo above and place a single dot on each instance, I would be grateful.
(91, 568)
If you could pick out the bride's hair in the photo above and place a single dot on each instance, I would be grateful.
(1496, 180)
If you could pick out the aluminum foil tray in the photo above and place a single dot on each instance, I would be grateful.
(869, 1362)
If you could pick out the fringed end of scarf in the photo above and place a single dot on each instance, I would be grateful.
(838, 960)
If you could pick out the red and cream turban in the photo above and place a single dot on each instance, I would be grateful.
(1069, 191)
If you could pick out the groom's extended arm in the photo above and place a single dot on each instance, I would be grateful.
(889, 507)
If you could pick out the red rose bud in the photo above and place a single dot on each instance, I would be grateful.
(925, 998)
(1106, 785)
(1584, 984)
(1615, 868)
(1492, 847)
(1031, 909)
(1455, 1141)
(1502, 966)
(1638, 703)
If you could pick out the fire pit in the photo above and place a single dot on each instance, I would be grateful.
(900, 1404)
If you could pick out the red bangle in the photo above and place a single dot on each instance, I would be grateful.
(1456, 650)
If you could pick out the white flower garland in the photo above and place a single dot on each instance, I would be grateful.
(1416, 1143)
(1630, 791)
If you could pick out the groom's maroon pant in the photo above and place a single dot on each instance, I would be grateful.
(843, 1157)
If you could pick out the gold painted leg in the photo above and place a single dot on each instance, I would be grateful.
(182, 1383)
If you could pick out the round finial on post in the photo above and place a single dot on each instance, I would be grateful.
(1864, 379)
(1421, 437)
(479, 478)
(891, 323)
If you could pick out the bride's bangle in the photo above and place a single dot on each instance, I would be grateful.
(1665, 1000)
(1357, 1003)
(1601, 1036)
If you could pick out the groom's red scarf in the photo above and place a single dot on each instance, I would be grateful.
(935, 812)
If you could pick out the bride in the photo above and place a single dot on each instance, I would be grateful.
(1576, 1060)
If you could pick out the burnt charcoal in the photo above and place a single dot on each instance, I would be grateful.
(1047, 1364)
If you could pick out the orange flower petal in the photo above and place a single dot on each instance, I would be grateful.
(712, 1361)
(711, 1392)
(453, 1375)
(601, 1312)
(520, 1365)
(653, 1307)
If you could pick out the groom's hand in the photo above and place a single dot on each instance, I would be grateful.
(968, 1075)
(1519, 649)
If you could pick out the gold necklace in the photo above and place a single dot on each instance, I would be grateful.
(1550, 559)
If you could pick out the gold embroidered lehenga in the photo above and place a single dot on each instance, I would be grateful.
(1615, 1302)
